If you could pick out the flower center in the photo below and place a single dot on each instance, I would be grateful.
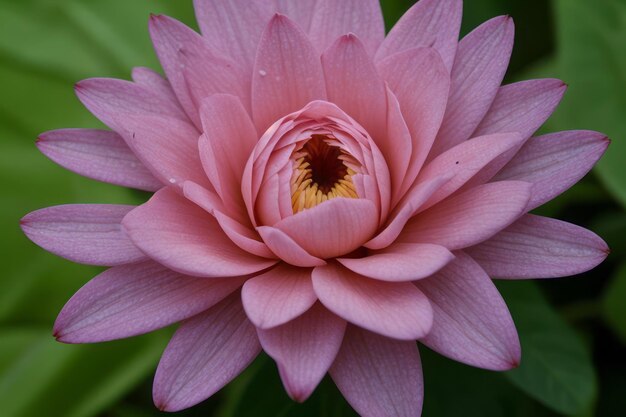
(322, 170)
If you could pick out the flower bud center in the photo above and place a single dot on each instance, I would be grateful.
(322, 170)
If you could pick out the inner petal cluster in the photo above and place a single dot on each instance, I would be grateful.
(322, 170)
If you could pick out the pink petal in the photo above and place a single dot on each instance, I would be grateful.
(429, 23)
(286, 248)
(398, 151)
(472, 162)
(84, 233)
(554, 162)
(241, 235)
(379, 377)
(137, 298)
(152, 80)
(415, 198)
(522, 107)
(168, 147)
(540, 247)
(398, 310)
(114, 101)
(206, 353)
(332, 19)
(304, 349)
(301, 12)
(278, 296)
(234, 27)
(400, 262)
(169, 36)
(207, 73)
(481, 62)
(178, 234)
(334, 228)
(421, 83)
(471, 323)
(353, 84)
(287, 73)
(229, 137)
(99, 154)
(471, 216)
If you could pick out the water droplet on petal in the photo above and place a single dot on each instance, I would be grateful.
(262, 73)
(172, 181)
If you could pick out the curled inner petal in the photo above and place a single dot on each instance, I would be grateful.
(322, 170)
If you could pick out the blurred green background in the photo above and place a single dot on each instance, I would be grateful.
(573, 331)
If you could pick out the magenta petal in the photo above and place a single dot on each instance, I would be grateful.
(334, 228)
(481, 62)
(394, 309)
(233, 27)
(332, 19)
(287, 249)
(522, 107)
(471, 323)
(182, 236)
(554, 162)
(421, 83)
(400, 262)
(429, 23)
(353, 84)
(277, 88)
(379, 377)
(137, 298)
(84, 233)
(278, 296)
(304, 349)
(205, 353)
(470, 217)
(540, 247)
(99, 154)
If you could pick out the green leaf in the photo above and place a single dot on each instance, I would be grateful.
(592, 60)
(615, 303)
(556, 367)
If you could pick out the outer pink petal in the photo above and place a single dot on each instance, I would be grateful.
(470, 217)
(471, 323)
(287, 73)
(421, 83)
(115, 101)
(301, 12)
(353, 84)
(206, 353)
(522, 107)
(379, 377)
(283, 246)
(554, 162)
(401, 262)
(397, 148)
(480, 64)
(154, 81)
(168, 147)
(234, 27)
(332, 19)
(99, 154)
(137, 298)
(398, 310)
(169, 36)
(304, 349)
(540, 247)
(85, 233)
(334, 228)
(178, 234)
(229, 136)
(415, 198)
(470, 163)
(278, 296)
(429, 23)
(242, 234)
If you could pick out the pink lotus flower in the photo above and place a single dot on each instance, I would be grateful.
(322, 192)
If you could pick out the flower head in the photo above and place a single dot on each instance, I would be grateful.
(322, 192)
